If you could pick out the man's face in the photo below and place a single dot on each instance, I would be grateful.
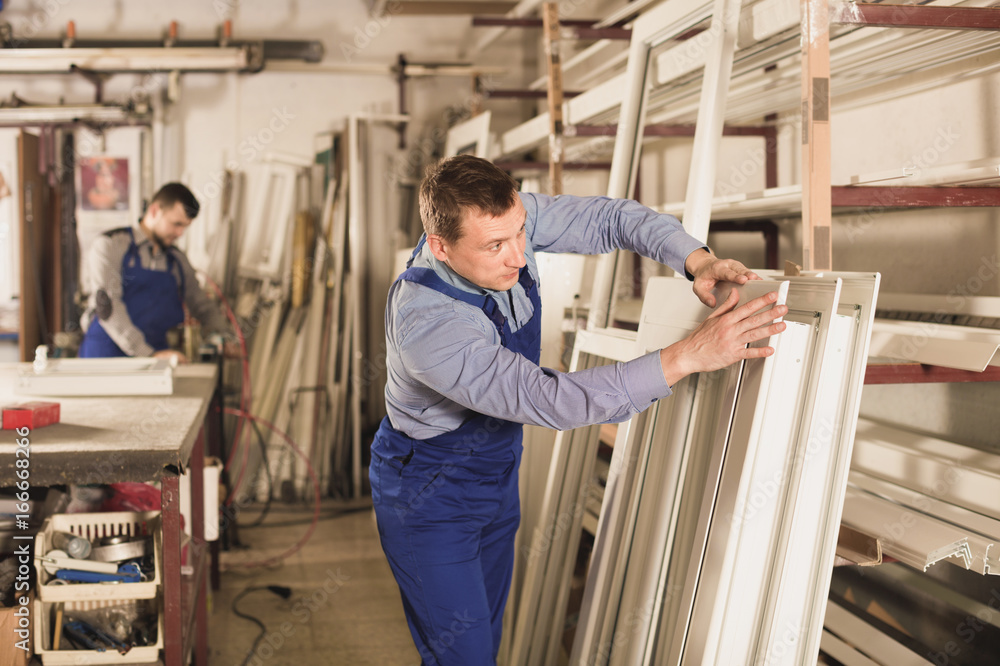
(166, 225)
(490, 252)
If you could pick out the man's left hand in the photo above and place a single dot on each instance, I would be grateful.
(708, 270)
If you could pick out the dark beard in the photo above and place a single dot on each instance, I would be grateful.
(158, 242)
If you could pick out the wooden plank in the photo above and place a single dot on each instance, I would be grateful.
(33, 326)
(921, 16)
(817, 251)
(550, 18)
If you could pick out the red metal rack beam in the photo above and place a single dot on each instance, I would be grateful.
(917, 373)
(581, 29)
(509, 22)
(922, 16)
(661, 130)
(524, 93)
(914, 197)
(525, 165)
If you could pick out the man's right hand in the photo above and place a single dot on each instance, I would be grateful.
(175, 357)
(722, 338)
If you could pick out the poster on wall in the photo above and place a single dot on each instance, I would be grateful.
(103, 183)
(104, 201)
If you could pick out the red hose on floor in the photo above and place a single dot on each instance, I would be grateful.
(312, 477)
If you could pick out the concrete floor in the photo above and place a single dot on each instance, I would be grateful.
(344, 607)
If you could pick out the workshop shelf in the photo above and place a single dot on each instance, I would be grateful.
(43, 635)
(93, 527)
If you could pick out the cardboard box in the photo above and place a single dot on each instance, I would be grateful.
(10, 653)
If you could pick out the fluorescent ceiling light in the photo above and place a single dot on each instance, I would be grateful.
(67, 114)
(146, 60)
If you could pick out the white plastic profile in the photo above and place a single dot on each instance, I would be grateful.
(718, 546)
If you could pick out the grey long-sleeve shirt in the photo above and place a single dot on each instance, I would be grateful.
(105, 265)
(444, 358)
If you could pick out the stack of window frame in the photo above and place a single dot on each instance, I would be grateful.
(719, 524)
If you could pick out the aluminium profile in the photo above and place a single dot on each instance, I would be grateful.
(982, 532)
(910, 537)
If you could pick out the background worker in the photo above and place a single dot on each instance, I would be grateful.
(140, 283)
(463, 329)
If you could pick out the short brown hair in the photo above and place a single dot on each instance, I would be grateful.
(462, 183)
(173, 193)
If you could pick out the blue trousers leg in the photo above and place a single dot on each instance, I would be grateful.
(449, 540)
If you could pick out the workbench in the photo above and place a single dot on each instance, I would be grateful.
(102, 440)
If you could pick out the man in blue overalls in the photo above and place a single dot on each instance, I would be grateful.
(462, 335)
(140, 283)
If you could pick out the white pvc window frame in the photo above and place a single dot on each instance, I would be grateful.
(664, 576)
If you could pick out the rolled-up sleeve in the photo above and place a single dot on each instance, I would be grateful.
(447, 350)
(204, 309)
(595, 225)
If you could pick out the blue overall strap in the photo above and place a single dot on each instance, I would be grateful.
(173, 265)
(432, 280)
(416, 250)
(526, 281)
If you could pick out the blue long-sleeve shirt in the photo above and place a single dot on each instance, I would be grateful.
(444, 358)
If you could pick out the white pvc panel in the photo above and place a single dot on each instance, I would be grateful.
(957, 474)
(961, 347)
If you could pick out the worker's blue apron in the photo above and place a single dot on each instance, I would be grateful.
(447, 509)
(153, 299)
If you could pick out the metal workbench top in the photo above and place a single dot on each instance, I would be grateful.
(111, 439)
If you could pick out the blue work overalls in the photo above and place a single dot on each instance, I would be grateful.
(154, 301)
(447, 509)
